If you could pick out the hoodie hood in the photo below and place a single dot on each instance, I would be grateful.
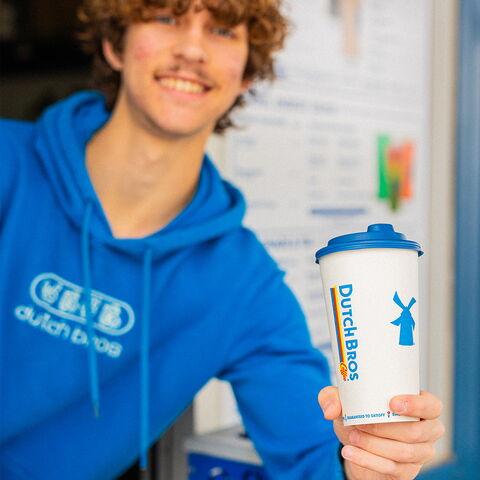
(63, 133)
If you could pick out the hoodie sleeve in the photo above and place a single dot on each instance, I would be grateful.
(276, 375)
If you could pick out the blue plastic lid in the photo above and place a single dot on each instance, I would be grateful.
(378, 235)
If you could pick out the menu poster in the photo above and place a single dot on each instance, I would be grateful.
(340, 140)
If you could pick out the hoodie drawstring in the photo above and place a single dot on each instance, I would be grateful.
(144, 338)
(87, 283)
(144, 360)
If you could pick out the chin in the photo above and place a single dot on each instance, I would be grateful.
(179, 131)
(179, 127)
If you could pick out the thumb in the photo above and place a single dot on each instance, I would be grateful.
(329, 402)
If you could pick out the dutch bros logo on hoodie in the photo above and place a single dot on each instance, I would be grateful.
(61, 298)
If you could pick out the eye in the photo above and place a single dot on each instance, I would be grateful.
(224, 32)
(166, 19)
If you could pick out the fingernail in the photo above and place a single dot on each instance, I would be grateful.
(400, 406)
(326, 406)
(347, 453)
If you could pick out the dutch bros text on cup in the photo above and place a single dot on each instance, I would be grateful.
(370, 282)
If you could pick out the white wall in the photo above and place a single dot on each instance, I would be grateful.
(214, 407)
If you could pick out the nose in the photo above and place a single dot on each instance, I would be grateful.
(190, 46)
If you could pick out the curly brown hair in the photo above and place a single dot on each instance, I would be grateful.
(108, 19)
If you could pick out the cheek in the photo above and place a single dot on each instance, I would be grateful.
(140, 58)
(140, 43)
(143, 50)
(234, 66)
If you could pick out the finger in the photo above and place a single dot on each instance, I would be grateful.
(360, 464)
(409, 432)
(401, 452)
(329, 401)
(342, 431)
(425, 405)
(371, 461)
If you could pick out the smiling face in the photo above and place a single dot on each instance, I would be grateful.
(180, 74)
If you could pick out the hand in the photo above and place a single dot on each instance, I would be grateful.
(387, 451)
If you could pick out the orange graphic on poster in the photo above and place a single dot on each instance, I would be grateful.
(395, 163)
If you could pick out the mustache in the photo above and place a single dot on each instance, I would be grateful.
(196, 72)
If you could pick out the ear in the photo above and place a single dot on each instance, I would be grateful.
(111, 56)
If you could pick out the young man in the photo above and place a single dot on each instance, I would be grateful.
(128, 281)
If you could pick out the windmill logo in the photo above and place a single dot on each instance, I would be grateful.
(405, 321)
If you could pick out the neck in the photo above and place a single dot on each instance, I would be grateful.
(143, 180)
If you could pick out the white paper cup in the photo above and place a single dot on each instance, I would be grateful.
(370, 284)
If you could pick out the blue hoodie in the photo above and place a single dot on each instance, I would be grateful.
(134, 328)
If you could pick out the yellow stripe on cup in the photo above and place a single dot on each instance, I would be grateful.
(339, 332)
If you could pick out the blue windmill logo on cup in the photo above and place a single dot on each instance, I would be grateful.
(405, 321)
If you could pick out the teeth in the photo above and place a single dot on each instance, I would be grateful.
(182, 85)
